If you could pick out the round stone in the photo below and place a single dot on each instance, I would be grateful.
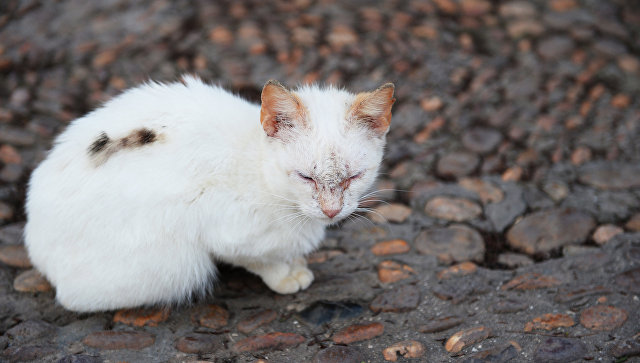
(605, 233)
(608, 175)
(339, 354)
(530, 281)
(508, 306)
(30, 330)
(254, 321)
(391, 271)
(31, 281)
(555, 47)
(405, 298)
(27, 353)
(12, 233)
(440, 324)
(79, 358)
(211, 316)
(395, 213)
(458, 270)
(392, 247)
(557, 190)
(481, 139)
(465, 338)
(457, 164)
(559, 350)
(195, 343)
(550, 229)
(603, 318)
(629, 280)
(549, 322)
(141, 317)
(452, 209)
(517, 9)
(486, 191)
(514, 260)
(358, 332)
(456, 243)
(270, 341)
(119, 339)
(633, 224)
(6, 211)
(406, 349)
(15, 256)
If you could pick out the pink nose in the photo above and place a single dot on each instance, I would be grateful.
(331, 212)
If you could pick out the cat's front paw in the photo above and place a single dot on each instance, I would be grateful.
(303, 275)
(288, 285)
(299, 279)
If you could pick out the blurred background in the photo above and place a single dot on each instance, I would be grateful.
(519, 118)
(508, 88)
(546, 81)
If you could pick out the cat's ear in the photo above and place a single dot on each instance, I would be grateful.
(280, 109)
(373, 109)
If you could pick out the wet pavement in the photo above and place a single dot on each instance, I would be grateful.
(511, 227)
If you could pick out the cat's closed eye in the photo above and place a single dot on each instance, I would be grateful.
(356, 176)
(305, 177)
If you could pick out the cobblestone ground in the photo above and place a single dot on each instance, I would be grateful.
(512, 176)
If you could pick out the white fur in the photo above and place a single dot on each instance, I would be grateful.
(141, 226)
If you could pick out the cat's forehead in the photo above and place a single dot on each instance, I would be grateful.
(326, 107)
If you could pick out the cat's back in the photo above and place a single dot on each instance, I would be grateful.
(154, 127)
(153, 142)
(163, 114)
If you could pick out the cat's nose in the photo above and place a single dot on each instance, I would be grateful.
(331, 212)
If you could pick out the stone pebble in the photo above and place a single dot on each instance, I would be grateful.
(15, 256)
(339, 354)
(270, 341)
(530, 281)
(196, 343)
(391, 247)
(466, 338)
(458, 270)
(486, 191)
(559, 350)
(452, 209)
(141, 317)
(440, 324)
(211, 316)
(546, 230)
(405, 298)
(252, 322)
(549, 322)
(404, 349)
(450, 244)
(603, 317)
(605, 233)
(31, 281)
(113, 340)
(394, 213)
(457, 164)
(358, 332)
(391, 271)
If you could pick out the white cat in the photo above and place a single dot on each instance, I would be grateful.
(137, 197)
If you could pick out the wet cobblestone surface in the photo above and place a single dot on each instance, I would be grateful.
(512, 231)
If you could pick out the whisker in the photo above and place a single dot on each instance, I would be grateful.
(360, 218)
(374, 201)
(369, 210)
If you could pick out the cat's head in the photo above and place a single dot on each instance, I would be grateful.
(325, 145)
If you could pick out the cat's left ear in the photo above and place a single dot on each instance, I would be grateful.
(280, 109)
(373, 109)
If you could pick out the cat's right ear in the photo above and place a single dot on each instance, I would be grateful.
(280, 109)
(373, 109)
